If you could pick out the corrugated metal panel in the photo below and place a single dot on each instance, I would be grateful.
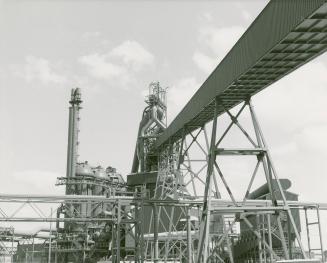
(279, 40)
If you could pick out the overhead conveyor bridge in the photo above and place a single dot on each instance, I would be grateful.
(286, 35)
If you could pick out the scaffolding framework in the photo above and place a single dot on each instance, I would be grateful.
(185, 218)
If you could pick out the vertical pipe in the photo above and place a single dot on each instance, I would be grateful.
(141, 154)
(72, 151)
(12, 244)
(33, 250)
(269, 237)
(171, 221)
(142, 233)
(111, 244)
(72, 142)
(56, 252)
(68, 187)
(118, 232)
(69, 146)
(75, 139)
(50, 233)
(137, 236)
(189, 236)
(264, 236)
(155, 233)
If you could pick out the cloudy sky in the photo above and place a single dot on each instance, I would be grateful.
(112, 50)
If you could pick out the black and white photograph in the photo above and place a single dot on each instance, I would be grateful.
(163, 131)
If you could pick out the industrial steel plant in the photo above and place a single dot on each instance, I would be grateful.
(170, 208)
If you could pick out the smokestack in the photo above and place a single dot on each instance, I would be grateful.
(73, 129)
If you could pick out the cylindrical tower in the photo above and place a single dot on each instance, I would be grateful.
(73, 129)
(72, 151)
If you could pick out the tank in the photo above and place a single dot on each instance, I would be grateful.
(84, 169)
(100, 172)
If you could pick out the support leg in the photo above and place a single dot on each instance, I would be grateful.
(205, 217)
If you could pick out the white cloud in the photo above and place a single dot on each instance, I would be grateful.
(306, 141)
(38, 69)
(99, 67)
(133, 53)
(119, 63)
(246, 15)
(220, 40)
(301, 98)
(302, 159)
(292, 113)
(179, 94)
(205, 63)
(214, 43)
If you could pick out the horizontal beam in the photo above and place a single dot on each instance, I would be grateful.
(253, 151)
(61, 198)
(124, 200)
(218, 204)
(53, 219)
(172, 235)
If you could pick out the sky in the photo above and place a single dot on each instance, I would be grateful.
(112, 50)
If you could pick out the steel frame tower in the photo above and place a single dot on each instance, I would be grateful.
(189, 220)
(153, 122)
(178, 180)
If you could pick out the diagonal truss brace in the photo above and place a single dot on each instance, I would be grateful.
(263, 157)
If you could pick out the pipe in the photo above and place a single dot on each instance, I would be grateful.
(69, 147)
(189, 237)
(136, 161)
(73, 132)
(153, 119)
(150, 116)
(155, 233)
(53, 219)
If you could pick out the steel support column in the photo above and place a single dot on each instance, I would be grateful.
(205, 217)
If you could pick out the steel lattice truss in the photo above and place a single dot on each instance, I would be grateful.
(189, 219)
